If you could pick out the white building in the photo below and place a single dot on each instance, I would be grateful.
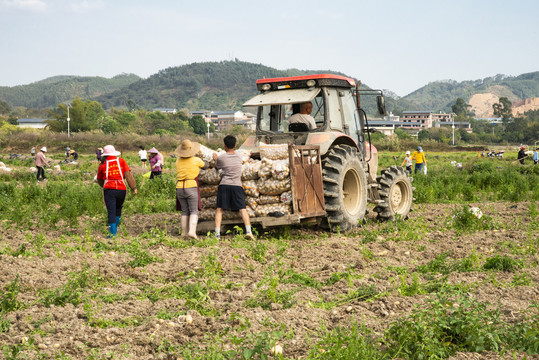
(32, 123)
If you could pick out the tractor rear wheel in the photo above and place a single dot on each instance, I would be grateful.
(345, 188)
(396, 192)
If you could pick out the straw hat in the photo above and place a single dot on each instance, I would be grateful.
(187, 149)
(153, 151)
(109, 150)
(71, 151)
(44, 149)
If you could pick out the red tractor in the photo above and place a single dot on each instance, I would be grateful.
(349, 162)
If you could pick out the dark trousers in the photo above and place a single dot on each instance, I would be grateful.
(419, 167)
(40, 173)
(154, 174)
(114, 201)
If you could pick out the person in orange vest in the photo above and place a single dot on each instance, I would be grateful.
(112, 176)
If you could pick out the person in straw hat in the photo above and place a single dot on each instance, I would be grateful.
(111, 176)
(187, 194)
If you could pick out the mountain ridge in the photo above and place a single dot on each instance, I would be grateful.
(225, 85)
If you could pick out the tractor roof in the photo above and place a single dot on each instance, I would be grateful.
(295, 82)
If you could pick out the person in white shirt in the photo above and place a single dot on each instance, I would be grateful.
(304, 116)
(143, 156)
(408, 161)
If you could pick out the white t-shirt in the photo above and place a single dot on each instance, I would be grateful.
(143, 155)
(304, 119)
(408, 161)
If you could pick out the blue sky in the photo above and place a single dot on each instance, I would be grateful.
(397, 45)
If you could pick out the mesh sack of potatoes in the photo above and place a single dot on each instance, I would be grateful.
(280, 169)
(269, 199)
(208, 190)
(206, 154)
(251, 188)
(273, 151)
(249, 170)
(273, 186)
(286, 197)
(210, 176)
(266, 166)
(273, 210)
(206, 214)
(244, 154)
(251, 201)
(230, 215)
(251, 212)
(219, 152)
(209, 202)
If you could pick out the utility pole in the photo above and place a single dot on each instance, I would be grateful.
(68, 119)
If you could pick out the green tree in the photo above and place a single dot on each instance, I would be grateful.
(131, 105)
(460, 107)
(125, 118)
(503, 109)
(158, 122)
(465, 136)
(402, 135)
(198, 124)
(423, 135)
(111, 126)
(85, 115)
(5, 109)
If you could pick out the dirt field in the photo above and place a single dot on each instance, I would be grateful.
(137, 329)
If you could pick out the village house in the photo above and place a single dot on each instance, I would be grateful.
(32, 123)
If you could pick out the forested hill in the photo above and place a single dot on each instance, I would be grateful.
(224, 85)
(54, 90)
(440, 95)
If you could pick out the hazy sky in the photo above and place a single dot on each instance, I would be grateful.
(399, 45)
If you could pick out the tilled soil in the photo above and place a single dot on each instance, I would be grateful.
(137, 329)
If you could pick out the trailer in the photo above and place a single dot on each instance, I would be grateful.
(307, 205)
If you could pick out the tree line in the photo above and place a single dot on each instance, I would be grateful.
(88, 115)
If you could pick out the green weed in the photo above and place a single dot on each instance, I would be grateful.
(269, 294)
(9, 303)
(522, 280)
(464, 220)
(502, 263)
(73, 292)
(444, 326)
(354, 342)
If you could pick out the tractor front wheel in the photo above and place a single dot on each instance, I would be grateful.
(396, 192)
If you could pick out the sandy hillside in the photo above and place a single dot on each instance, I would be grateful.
(482, 104)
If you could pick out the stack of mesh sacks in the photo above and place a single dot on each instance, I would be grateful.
(266, 183)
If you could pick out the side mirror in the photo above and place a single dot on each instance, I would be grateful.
(381, 102)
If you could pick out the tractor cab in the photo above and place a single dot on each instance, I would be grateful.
(335, 110)
(333, 107)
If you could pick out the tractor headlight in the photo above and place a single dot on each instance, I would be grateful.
(311, 83)
(266, 87)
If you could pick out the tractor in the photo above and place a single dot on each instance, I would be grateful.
(349, 162)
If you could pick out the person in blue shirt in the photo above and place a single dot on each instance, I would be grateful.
(536, 156)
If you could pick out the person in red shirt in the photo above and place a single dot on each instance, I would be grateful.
(111, 176)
